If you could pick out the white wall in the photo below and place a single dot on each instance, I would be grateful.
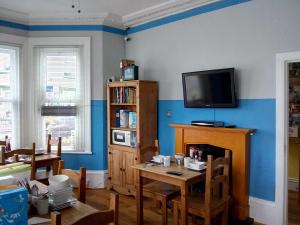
(245, 36)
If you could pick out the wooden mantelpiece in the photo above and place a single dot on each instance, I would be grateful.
(235, 139)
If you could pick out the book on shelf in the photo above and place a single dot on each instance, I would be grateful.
(117, 117)
(124, 118)
(132, 119)
(124, 95)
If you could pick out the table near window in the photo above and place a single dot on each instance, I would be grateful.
(158, 173)
(69, 215)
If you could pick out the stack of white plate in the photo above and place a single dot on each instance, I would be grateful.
(60, 190)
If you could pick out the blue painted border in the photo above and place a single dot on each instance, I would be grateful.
(24, 27)
(180, 16)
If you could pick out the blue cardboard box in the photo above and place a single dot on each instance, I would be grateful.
(14, 206)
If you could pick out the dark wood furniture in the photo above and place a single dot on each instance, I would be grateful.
(215, 199)
(3, 143)
(142, 100)
(22, 151)
(158, 173)
(235, 139)
(51, 142)
(78, 178)
(161, 192)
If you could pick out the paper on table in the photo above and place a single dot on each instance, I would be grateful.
(37, 220)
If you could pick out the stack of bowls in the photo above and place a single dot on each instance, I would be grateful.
(60, 190)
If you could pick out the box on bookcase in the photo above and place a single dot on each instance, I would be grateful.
(124, 114)
(132, 119)
(14, 206)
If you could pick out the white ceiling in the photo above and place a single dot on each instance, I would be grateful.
(119, 7)
(115, 12)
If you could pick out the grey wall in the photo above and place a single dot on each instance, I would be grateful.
(245, 36)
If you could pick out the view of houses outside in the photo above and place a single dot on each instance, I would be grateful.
(5, 96)
(61, 90)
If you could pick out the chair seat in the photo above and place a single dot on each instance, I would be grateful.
(160, 188)
(196, 203)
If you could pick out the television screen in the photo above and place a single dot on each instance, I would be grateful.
(209, 89)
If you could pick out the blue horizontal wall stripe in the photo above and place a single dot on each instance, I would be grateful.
(251, 113)
(9, 24)
(180, 16)
(62, 27)
(77, 28)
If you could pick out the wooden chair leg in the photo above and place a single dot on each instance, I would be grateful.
(207, 220)
(175, 213)
(164, 210)
(225, 216)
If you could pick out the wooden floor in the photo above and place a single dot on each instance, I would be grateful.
(99, 199)
(294, 209)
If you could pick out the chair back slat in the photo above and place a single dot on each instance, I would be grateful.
(217, 179)
(51, 142)
(78, 178)
(4, 142)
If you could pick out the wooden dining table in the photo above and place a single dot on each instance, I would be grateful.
(159, 173)
(68, 215)
(45, 160)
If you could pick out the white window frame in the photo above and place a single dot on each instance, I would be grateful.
(85, 43)
(20, 43)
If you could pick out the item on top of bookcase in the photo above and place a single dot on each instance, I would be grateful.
(124, 118)
(117, 117)
(126, 62)
(14, 206)
(132, 119)
(294, 131)
(130, 73)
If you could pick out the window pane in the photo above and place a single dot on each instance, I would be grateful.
(5, 120)
(5, 75)
(61, 126)
(61, 77)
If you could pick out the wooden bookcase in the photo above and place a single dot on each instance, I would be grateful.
(122, 177)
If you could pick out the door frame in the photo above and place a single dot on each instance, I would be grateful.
(282, 144)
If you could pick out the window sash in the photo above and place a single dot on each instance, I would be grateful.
(78, 101)
(14, 98)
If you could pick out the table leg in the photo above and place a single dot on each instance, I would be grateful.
(184, 206)
(139, 199)
(55, 167)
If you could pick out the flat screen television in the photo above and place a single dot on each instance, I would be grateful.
(209, 89)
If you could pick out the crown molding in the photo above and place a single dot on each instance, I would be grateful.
(61, 18)
(13, 16)
(162, 10)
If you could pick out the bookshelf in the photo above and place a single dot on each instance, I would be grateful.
(139, 97)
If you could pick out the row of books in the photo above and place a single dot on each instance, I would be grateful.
(125, 118)
(124, 95)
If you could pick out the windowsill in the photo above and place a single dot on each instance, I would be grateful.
(76, 153)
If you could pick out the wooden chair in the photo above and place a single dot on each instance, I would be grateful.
(51, 142)
(78, 178)
(3, 143)
(17, 152)
(109, 216)
(215, 199)
(161, 192)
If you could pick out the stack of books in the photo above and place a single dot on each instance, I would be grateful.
(124, 95)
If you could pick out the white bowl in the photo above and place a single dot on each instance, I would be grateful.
(59, 180)
(179, 156)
